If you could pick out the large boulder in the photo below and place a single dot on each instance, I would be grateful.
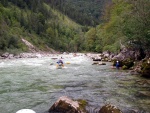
(108, 108)
(106, 54)
(128, 53)
(67, 105)
(142, 68)
(127, 64)
(10, 56)
(119, 57)
(5, 55)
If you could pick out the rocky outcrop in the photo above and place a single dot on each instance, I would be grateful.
(31, 47)
(142, 67)
(124, 54)
(34, 49)
(66, 105)
(127, 53)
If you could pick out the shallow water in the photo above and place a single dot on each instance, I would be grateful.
(35, 84)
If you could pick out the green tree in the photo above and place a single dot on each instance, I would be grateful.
(137, 24)
(90, 39)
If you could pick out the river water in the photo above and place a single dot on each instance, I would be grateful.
(35, 83)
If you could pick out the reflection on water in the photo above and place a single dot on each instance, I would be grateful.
(36, 84)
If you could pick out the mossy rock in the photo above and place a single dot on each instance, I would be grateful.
(67, 105)
(109, 109)
(114, 62)
(144, 63)
(124, 67)
(128, 63)
(145, 70)
(83, 104)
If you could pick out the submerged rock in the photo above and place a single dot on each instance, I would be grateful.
(97, 59)
(101, 63)
(143, 82)
(66, 105)
(144, 93)
(95, 63)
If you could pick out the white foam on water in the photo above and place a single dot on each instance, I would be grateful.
(67, 59)
(26, 111)
(6, 64)
(52, 67)
(1, 64)
(20, 62)
(33, 62)
(77, 59)
(65, 67)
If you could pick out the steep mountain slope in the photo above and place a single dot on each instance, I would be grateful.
(85, 12)
(37, 23)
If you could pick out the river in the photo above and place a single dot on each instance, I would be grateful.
(35, 83)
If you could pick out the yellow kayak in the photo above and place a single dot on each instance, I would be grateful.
(67, 62)
(58, 66)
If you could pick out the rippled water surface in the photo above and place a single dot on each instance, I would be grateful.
(35, 84)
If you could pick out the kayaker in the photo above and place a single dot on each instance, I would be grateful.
(60, 62)
(117, 64)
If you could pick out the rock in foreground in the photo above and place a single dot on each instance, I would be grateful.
(66, 105)
(109, 109)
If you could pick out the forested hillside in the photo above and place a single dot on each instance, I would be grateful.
(84, 12)
(37, 22)
(95, 25)
(127, 23)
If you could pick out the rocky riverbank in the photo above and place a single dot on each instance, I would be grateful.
(134, 60)
(25, 55)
